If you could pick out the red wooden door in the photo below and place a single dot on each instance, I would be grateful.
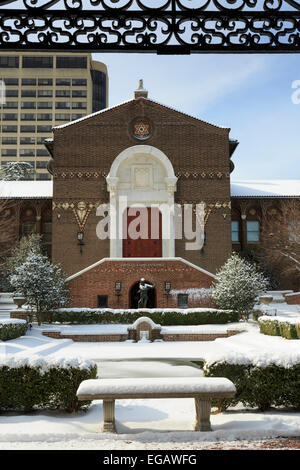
(142, 233)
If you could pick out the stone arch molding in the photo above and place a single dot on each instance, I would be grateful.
(141, 174)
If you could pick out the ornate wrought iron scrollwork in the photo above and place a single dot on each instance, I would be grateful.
(172, 26)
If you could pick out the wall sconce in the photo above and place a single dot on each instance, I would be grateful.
(118, 288)
(167, 287)
(80, 240)
(243, 217)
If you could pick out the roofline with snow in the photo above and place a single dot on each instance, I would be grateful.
(89, 116)
(103, 260)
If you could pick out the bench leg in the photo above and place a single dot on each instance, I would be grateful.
(202, 415)
(109, 416)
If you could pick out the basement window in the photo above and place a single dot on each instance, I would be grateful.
(102, 301)
(182, 300)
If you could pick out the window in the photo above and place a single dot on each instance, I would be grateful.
(42, 153)
(9, 128)
(27, 152)
(41, 140)
(235, 231)
(28, 93)
(79, 94)
(44, 117)
(102, 301)
(45, 81)
(252, 231)
(99, 90)
(11, 93)
(62, 117)
(27, 128)
(62, 105)
(182, 300)
(77, 116)
(47, 232)
(41, 165)
(63, 82)
(44, 105)
(11, 105)
(9, 140)
(9, 117)
(7, 62)
(63, 93)
(9, 153)
(27, 117)
(28, 81)
(43, 176)
(11, 81)
(79, 105)
(42, 93)
(28, 228)
(71, 62)
(37, 62)
(79, 81)
(44, 128)
(28, 105)
(27, 140)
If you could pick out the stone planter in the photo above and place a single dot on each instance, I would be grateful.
(19, 301)
(266, 299)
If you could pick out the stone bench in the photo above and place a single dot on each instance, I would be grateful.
(202, 389)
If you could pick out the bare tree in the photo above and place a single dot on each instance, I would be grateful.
(281, 240)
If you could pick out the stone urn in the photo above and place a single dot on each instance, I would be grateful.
(19, 300)
(266, 299)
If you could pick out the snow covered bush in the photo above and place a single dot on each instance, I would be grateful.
(237, 285)
(11, 329)
(259, 384)
(42, 283)
(280, 326)
(39, 383)
(164, 317)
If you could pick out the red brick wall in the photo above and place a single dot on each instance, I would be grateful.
(100, 280)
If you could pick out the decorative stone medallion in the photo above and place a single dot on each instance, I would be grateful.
(141, 129)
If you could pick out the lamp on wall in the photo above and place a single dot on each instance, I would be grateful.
(118, 288)
(80, 240)
(167, 289)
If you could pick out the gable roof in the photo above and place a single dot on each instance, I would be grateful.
(133, 100)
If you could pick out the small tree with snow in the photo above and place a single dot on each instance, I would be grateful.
(237, 285)
(42, 283)
(15, 171)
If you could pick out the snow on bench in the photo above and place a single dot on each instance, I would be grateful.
(202, 389)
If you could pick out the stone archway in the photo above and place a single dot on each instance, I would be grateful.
(133, 296)
(141, 176)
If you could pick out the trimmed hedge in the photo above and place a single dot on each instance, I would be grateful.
(163, 317)
(37, 383)
(257, 386)
(11, 329)
(279, 326)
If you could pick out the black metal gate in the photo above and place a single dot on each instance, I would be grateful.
(156, 26)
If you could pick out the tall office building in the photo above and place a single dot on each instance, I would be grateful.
(43, 90)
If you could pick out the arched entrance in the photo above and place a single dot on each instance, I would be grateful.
(133, 296)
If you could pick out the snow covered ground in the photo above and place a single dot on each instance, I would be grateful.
(157, 423)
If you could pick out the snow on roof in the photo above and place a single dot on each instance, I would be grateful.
(61, 126)
(265, 188)
(26, 189)
(254, 188)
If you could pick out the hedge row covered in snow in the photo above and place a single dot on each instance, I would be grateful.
(12, 328)
(261, 381)
(28, 383)
(288, 328)
(167, 316)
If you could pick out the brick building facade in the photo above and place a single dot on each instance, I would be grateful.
(145, 154)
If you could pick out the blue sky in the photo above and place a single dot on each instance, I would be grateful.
(249, 93)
